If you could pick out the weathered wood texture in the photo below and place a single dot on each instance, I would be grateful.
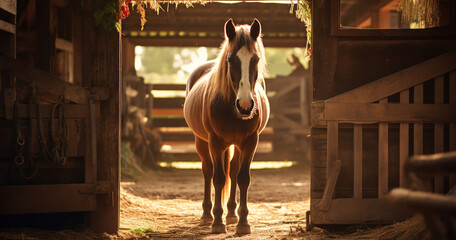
(8, 48)
(44, 81)
(46, 199)
(343, 62)
(105, 72)
(377, 99)
(354, 211)
(182, 28)
(9, 6)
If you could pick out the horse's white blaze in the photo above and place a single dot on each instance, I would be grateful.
(244, 94)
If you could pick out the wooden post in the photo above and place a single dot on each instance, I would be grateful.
(452, 125)
(105, 72)
(8, 47)
(438, 131)
(418, 127)
(304, 103)
(403, 140)
(45, 37)
(383, 156)
(332, 153)
(358, 161)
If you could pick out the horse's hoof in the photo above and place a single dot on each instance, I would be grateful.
(242, 229)
(232, 219)
(206, 220)
(219, 228)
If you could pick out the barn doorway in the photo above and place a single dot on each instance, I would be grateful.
(167, 197)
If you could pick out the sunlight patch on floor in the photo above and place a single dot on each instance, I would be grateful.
(255, 165)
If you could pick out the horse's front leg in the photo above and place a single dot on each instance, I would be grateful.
(203, 151)
(247, 151)
(217, 150)
(232, 217)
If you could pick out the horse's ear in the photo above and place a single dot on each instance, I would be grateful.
(255, 29)
(230, 30)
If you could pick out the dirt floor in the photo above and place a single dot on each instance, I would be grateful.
(167, 205)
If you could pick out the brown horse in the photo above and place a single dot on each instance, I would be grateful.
(226, 105)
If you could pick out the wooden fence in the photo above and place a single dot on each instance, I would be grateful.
(362, 138)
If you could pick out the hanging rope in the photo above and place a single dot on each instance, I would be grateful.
(59, 134)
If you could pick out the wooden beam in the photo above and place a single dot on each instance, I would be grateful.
(453, 124)
(438, 130)
(211, 42)
(356, 211)
(8, 27)
(330, 186)
(400, 81)
(438, 164)
(167, 112)
(64, 44)
(105, 71)
(44, 81)
(403, 140)
(9, 6)
(46, 199)
(371, 112)
(174, 87)
(423, 201)
(358, 161)
(383, 156)
(72, 111)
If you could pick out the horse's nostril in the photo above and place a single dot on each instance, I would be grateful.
(238, 105)
(245, 110)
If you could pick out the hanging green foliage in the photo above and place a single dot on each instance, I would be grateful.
(105, 13)
(304, 13)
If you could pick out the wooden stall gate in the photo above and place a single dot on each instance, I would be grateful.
(33, 123)
(289, 119)
(409, 112)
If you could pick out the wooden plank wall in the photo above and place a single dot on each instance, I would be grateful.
(378, 98)
(89, 181)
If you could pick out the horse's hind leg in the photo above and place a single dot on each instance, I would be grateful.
(232, 217)
(203, 151)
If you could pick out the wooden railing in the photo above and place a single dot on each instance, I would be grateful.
(384, 102)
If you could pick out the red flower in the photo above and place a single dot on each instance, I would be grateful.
(127, 2)
(125, 12)
(309, 51)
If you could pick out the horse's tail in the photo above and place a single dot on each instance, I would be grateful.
(227, 187)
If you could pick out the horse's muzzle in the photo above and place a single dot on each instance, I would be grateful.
(245, 111)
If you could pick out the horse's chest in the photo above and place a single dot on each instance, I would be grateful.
(231, 128)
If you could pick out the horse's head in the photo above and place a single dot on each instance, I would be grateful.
(245, 59)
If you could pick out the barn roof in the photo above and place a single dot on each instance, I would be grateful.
(203, 25)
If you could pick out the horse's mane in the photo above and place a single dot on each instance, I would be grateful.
(220, 76)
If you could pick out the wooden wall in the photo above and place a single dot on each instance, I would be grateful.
(75, 63)
(400, 67)
(344, 59)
